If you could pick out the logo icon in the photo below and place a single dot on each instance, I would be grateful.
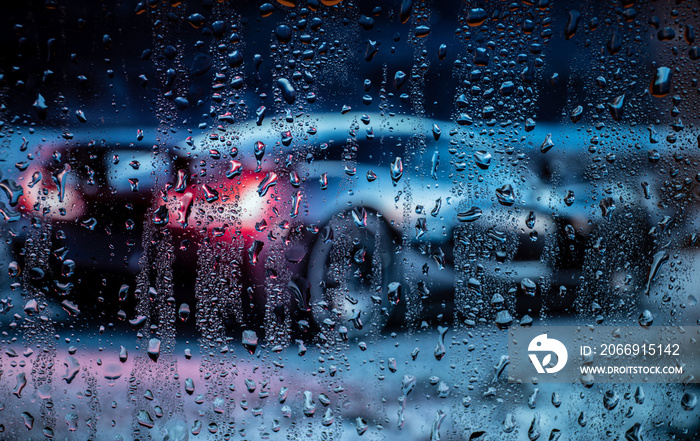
(543, 344)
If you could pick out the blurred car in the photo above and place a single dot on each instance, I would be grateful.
(365, 230)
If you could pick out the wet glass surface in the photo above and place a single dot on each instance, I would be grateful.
(318, 219)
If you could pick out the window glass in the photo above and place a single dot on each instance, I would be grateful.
(331, 219)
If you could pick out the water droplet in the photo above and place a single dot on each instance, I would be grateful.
(689, 401)
(435, 428)
(442, 51)
(616, 107)
(112, 372)
(32, 306)
(646, 318)
(434, 162)
(556, 399)
(482, 159)
(476, 17)
(361, 425)
(659, 259)
(666, 34)
(154, 349)
(41, 107)
(28, 419)
(547, 144)
(189, 386)
(505, 195)
(309, 407)
(144, 419)
(440, 348)
(614, 42)
(571, 23)
(288, 92)
(422, 31)
(569, 198)
(405, 10)
(555, 435)
(13, 269)
(328, 418)
(471, 215)
(396, 170)
(19, 386)
(607, 207)
(394, 293)
(576, 114)
(634, 433)
(283, 33)
(532, 399)
(509, 423)
(250, 341)
(184, 312)
(399, 79)
(268, 182)
(534, 431)
(72, 369)
(528, 286)
(610, 399)
(661, 83)
(503, 319)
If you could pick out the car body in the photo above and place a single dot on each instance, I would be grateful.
(314, 182)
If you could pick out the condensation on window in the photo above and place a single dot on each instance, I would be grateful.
(318, 219)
